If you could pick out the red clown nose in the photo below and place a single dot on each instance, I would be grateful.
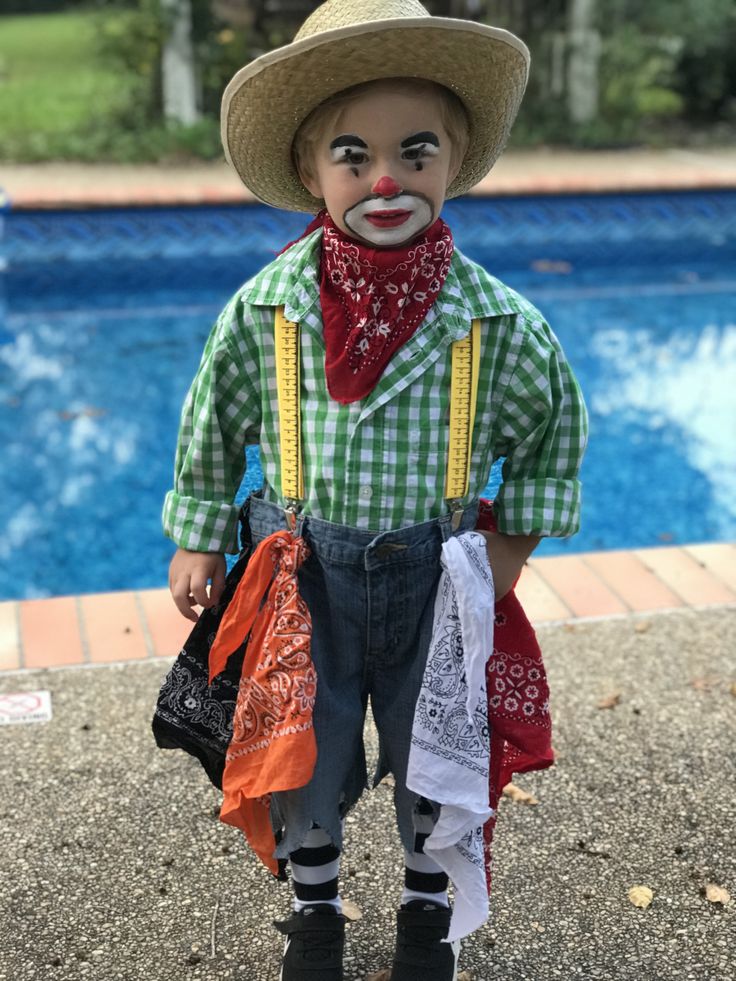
(386, 187)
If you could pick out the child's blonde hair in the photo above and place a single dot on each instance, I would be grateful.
(452, 114)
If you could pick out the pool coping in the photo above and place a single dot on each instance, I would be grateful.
(144, 625)
(541, 171)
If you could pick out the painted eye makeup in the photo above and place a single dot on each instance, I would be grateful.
(348, 149)
(419, 147)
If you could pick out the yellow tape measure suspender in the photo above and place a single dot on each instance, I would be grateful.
(463, 396)
(288, 384)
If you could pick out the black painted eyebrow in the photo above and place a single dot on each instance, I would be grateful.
(348, 140)
(421, 138)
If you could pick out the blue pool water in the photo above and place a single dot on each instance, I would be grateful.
(104, 315)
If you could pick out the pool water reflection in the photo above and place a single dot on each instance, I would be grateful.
(107, 313)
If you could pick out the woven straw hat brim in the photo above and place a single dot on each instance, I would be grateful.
(267, 101)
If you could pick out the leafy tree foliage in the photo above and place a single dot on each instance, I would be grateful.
(665, 69)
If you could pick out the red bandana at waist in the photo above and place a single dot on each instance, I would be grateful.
(373, 300)
(518, 698)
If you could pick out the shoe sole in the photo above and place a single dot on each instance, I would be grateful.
(286, 947)
(456, 952)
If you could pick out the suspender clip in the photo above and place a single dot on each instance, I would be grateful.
(457, 511)
(291, 510)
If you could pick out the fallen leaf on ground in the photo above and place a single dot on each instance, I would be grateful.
(704, 684)
(517, 795)
(610, 701)
(733, 688)
(716, 894)
(351, 910)
(641, 896)
(641, 626)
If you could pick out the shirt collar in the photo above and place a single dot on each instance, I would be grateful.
(468, 293)
(473, 294)
(290, 281)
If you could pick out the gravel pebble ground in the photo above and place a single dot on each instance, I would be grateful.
(113, 864)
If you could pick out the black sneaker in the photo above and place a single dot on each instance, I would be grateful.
(421, 951)
(315, 938)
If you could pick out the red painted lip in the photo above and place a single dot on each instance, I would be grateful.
(388, 219)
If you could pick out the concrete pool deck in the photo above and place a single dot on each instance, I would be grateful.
(114, 866)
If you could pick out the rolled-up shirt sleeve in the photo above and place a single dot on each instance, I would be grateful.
(542, 434)
(220, 417)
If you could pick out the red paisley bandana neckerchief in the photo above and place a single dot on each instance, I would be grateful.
(373, 300)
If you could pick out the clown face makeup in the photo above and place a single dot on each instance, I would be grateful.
(383, 166)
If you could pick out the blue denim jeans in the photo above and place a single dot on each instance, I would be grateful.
(371, 598)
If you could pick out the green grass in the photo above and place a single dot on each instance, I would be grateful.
(52, 83)
(59, 99)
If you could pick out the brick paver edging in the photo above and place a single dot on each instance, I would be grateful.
(128, 626)
(158, 195)
(519, 172)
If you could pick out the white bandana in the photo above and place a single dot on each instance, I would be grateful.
(450, 747)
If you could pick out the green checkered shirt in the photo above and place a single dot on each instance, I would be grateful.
(379, 463)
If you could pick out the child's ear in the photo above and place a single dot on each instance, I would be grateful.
(313, 185)
(453, 171)
(309, 180)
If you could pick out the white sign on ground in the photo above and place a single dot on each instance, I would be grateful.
(25, 706)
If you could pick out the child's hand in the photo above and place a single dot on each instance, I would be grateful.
(188, 576)
(507, 555)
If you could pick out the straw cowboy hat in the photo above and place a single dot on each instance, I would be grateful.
(346, 42)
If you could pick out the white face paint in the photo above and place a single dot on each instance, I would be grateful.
(389, 222)
(383, 166)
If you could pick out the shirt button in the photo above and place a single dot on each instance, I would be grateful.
(366, 492)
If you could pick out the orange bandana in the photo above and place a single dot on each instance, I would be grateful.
(273, 746)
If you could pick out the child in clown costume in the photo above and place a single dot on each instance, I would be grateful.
(372, 117)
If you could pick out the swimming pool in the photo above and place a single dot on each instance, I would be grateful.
(105, 314)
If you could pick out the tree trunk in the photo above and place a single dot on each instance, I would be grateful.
(582, 65)
(179, 77)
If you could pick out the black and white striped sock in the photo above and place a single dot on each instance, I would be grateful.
(423, 878)
(315, 868)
